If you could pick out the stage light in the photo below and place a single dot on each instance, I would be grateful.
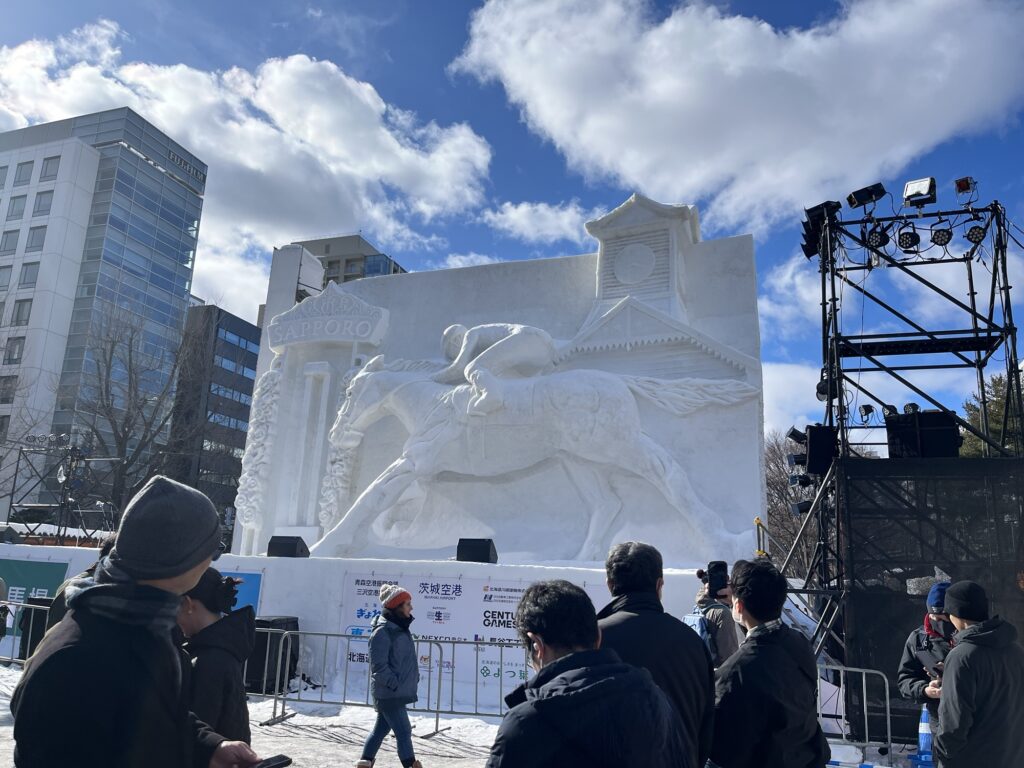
(815, 222)
(825, 390)
(942, 236)
(965, 185)
(796, 436)
(797, 460)
(907, 238)
(920, 192)
(865, 196)
(976, 234)
(888, 410)
(801, 508)
(866, 411)
(911, 408)
(878, 237)
(800, 480)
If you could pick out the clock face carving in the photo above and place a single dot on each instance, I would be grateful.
(634, 264)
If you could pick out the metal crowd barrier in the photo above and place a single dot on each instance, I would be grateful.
(22, 627)
(844, 719)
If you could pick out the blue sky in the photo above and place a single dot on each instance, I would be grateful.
(459, 132)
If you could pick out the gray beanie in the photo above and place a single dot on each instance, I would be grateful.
(167, 529)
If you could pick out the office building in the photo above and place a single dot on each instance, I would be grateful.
(350, 257)
(210, 420)
(99, 217)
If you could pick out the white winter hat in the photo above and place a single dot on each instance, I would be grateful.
(392, 595)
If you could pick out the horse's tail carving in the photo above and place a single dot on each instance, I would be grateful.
(681, 397)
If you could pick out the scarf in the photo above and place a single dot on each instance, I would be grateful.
(403, 622)
(112, 593)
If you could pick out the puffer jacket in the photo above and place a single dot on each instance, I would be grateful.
(981, 711)
(394, 668)
(589, 710)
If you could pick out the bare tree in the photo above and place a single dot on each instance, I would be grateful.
(783, 524)
(125, 398)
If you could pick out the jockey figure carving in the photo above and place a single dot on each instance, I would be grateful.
(484, 354)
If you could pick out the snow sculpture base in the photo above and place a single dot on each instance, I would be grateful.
(575, 402)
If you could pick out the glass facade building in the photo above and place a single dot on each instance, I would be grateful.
(139, 248)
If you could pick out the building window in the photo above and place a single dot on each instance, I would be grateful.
(354, 267)
(5, 277)
(3, 176)
(327, 246)
(3, 305)
(22, 312)
(14, 350)
(230, 394)
(43, 203)
(238, 341)
(23, 175)
(49, 170)
(227, 421)
(16, 208)
(9, 242)
(36, 238)
(8, 385)
(5, 421)
(29, 274)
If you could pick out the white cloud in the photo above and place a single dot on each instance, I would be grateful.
(457, 260)
(790, 303)
(314, 13)
(703, 105)
(294, 146)
(542, 222)
(789, 395)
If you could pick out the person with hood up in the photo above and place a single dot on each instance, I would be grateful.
(981, 709)
(219, 643)
(714, 601)
(103, 689)
(394, 676)
(924, 653)
(634, 625)
(584, 707)
(765, 694)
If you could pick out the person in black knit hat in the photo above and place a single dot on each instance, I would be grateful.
(103, 689)
(981, 711)
(219, 643)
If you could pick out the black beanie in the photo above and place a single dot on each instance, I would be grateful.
(967, 600)
(167, 529)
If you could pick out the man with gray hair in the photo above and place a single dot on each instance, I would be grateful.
(634, 625)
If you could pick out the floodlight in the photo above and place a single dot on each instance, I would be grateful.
(796, 436)
(888, 410)
(866, 411)
(907, 238)
(911, 408)
(920, 192)
(976, 234)
(825, 389)
(965, 186)
(800, 480)
(801, 507)
(878, 237)
(865, 196)
(942, 236)
(797, 459)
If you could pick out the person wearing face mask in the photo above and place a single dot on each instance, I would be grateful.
(920, 672)
(219, 643)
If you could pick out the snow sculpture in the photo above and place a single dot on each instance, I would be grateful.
(580, 419)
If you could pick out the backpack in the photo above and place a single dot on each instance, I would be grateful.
(698, 622)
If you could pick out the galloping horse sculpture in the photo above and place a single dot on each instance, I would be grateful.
(588, 419)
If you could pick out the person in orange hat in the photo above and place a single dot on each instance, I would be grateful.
(394, 676)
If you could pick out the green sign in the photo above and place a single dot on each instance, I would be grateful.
(29, 578)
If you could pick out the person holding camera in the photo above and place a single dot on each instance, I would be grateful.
(926, 649)
(712, 615)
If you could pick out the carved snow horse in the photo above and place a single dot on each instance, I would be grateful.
(586, 415)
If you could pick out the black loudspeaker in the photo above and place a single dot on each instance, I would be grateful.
(822, 446)
(287, 546)
(261, 670)
(476, 551)
(925, 434)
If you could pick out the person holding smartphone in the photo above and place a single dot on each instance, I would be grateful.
(926, 649)
(394, 676)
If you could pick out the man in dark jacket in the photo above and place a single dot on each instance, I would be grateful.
(103, 690)
(981, 711)
(584, 707)
(59, 606)
(765, 710)
(636, 627)
(925, 651)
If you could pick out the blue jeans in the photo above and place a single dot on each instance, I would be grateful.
(391, 717)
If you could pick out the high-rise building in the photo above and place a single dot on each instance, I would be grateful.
(210, 420)
(350, 257)
(99, 216)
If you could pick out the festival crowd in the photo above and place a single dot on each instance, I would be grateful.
(142, 665)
